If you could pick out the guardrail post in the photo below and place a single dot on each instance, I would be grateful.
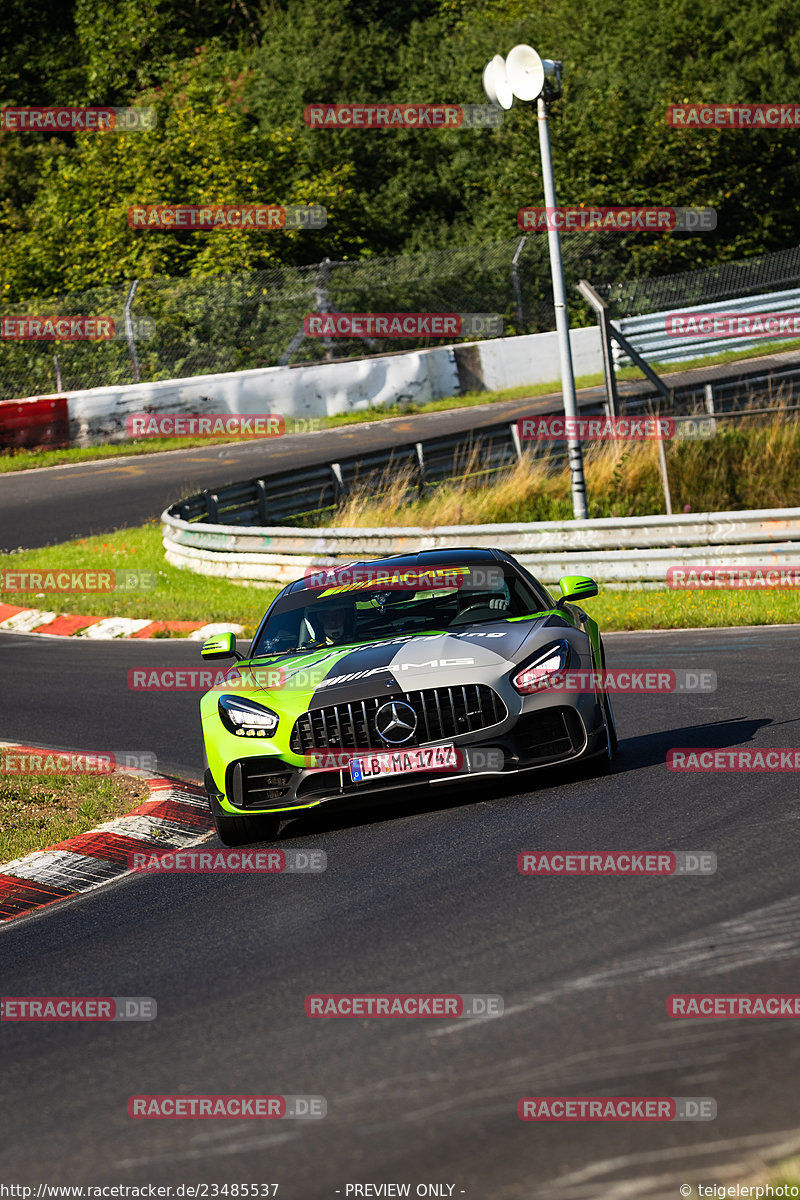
(709, 396)
(336, 471)
(261, 497)
(421, 466)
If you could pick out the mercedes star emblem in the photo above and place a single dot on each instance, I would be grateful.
(396, 722)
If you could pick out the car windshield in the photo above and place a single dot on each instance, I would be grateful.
(402, 601)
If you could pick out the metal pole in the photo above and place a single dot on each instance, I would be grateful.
(604, 326)
(515, 280)
(562, 322)
(129, 330)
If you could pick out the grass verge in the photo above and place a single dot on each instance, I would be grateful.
(786, 1174)
(741, 467)
(616, 611)
(183, 596)
(26, 460)
(178, 595)
(40, 810)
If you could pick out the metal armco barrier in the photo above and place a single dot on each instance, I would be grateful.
(611, 549)
(648, 333)
(299, 495)
(42, 421)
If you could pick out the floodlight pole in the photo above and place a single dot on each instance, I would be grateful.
(574, 452)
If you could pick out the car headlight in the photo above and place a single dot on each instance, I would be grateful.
(245, 718)
(538, 674)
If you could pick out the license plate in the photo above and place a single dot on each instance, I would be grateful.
(401, 762)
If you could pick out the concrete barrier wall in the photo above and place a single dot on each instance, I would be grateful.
(328, 389)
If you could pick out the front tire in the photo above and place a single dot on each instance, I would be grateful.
(608, 714)
(240, 830)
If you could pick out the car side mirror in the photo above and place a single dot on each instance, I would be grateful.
(222, 645)
(575, 587)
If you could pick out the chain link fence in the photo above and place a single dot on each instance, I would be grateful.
(773, 272)
(182, 327)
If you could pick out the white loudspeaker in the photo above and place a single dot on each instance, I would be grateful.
(496, 84)
(524, 71)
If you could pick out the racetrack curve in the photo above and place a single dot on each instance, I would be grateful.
(424, 895)
(55, 504)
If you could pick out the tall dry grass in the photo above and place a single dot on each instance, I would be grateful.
(754, 465)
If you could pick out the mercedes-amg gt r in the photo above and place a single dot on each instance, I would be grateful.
(416, 669)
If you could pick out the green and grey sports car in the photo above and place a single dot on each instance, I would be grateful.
(416, 669)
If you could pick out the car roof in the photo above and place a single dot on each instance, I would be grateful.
(449, 557)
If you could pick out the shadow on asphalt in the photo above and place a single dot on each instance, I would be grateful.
(634, 754)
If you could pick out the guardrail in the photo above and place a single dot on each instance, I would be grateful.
(242, 531)
(298, 494)
(611, 549)
(648, 332)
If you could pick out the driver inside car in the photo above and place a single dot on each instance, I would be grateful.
(498, 597)
(332, 626)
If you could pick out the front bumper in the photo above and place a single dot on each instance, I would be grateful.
(544, 734)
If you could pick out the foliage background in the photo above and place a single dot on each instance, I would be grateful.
(230, 80)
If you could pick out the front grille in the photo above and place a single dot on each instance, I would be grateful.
(442, 712)
(256, 782)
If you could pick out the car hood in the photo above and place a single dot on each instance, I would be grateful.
(477, 654)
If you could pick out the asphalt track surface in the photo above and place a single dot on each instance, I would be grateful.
(55, 504)
(423, 894)
(44, 506)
